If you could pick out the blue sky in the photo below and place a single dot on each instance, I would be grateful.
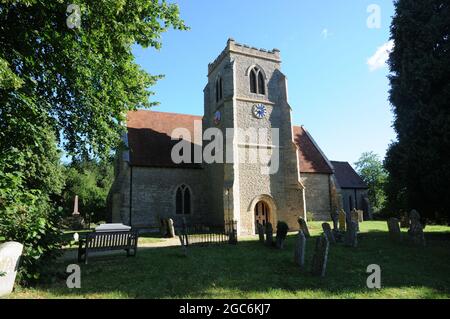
(325, 46)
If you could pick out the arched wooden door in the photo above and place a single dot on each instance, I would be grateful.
(262, 214)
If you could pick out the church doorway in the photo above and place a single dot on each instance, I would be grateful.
(262, 214)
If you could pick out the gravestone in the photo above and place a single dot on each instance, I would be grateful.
(414, 215)
(335, 219)
(269, 234)
(170, 228)
(112, 227)
(300, 246)
(10, 253)
(360, 216)
(415, 232)
(233, 239)
(261, 233)
(328, 233)
(354, 215)
(319, 262)
(394, 229)
(163, 227)
(351, 236)
(282, 230)
(342, 220)
(404, 220)
(304, 227)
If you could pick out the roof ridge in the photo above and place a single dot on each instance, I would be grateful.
(162, 112)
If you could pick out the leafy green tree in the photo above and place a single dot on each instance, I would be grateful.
(370, 168)
(85, 79)
(66, 86)
(91, 181)
(418, 162)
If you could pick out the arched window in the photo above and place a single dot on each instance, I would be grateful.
(219, 89)
(183, 201)
(253, 81)
(261, 84)
(257, 82)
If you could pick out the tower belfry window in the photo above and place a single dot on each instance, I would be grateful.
(219, 89)
(257, 82)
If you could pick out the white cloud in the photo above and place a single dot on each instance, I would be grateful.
(379, 59)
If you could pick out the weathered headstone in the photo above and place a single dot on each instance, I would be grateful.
(269, 234)
(261, 233)
(300, 246)
(404, 220)
(394, 229)
(342, 220)
(335, 219)
(355, 218)
(351, 236)
(360, 216)
(163, 227)
(170, 228)
(233, 239)
(282, 230)
(415, 232)
(304, 227)
(10, 253)
(414, 215)
(328, 233)
(319, 262)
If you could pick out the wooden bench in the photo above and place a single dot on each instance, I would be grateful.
(105, 241)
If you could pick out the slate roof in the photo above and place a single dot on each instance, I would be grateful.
(347, 177)
(150, 143)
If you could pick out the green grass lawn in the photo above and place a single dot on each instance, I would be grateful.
(251, 270)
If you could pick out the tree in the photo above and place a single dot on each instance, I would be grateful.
(420, 96)
(85, 79)
(66, 86)
(370, 168)
(91, 181)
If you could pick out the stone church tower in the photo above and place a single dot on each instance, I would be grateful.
(248, 93)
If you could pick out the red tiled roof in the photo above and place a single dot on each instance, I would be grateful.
(149, 140)
(310, 157)
(149, 137)
(346, 176)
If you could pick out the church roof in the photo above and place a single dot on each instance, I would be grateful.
(311, 157)
(346, 176)
(150, 144)
(149, 137)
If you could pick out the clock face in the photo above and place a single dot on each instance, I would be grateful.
(217, 117)
(259, 111)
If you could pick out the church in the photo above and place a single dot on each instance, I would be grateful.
(246, 90)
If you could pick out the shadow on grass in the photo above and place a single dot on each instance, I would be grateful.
(251, 270)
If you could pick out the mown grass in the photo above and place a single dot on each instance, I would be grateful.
(251, 270)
